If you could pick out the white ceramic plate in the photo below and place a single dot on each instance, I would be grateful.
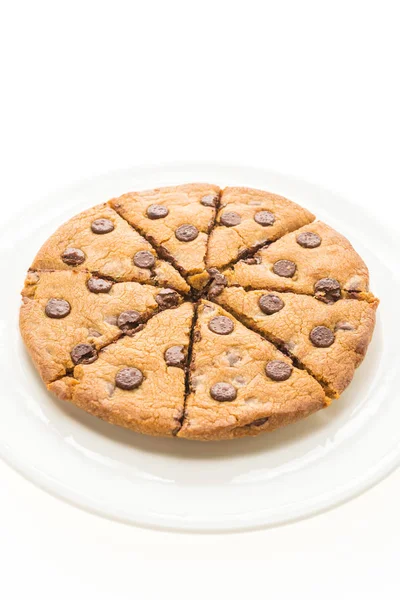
(170, 483)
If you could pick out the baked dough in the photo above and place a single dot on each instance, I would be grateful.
(239, 360)
(332, 358)
(192, 312)
(247, 219)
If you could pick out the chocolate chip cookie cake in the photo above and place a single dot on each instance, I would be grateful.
(198, 313)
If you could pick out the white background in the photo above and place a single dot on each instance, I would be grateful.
(307, 88)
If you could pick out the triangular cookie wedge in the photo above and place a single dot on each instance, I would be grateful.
(175, 219)
(138, 382)
(314, 260)
(249, 218)
(100, 241)
(67, 316)
(240, 384)
(329, 340)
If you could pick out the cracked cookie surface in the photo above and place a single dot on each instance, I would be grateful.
(197, 313)
(115, 250)
(240, 384)
(177, 219)
(130, 384)
(329, 267)
(94, 318)
(249, 218)
(330, 340)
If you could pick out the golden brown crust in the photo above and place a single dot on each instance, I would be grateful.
(156, 406)
(226, 244)
(92, 319)
(105, 241)
(110, 254)
(351, 321)
(335, 258)
(239, 359)
(185, 207)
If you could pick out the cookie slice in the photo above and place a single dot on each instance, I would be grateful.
(240, 383)
(313, 260)
(329, 340)
(138, 382)
(175, 219)
(249, 218)
(67, 316)
(98, 240)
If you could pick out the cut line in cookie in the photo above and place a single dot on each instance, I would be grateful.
(177, 272)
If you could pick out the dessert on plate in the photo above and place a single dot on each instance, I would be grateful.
(198, 313)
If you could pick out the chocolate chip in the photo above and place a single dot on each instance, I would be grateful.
(186, 233)
(258, 422)
(174, 356)
(209, 200)
(215, 290)
(322, 337)
(253, 260)
(73, 257)
(129, 321)
(220, 279)
(277, 370)
(197, 336)
(83, 354)
(156, 211)
(264, 218)
(308, 239)
(221, 325)
(102, 226)
(230, 219)
(223, 392)
(327, 290)
(217, 276)
(270, 304)
(57, 308)
(99, 286)
(233, 357)
(128, 378)
(284, 268)
(167, 298)
(218, 283)
(144, 259)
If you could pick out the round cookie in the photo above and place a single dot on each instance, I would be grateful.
(192, 312)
